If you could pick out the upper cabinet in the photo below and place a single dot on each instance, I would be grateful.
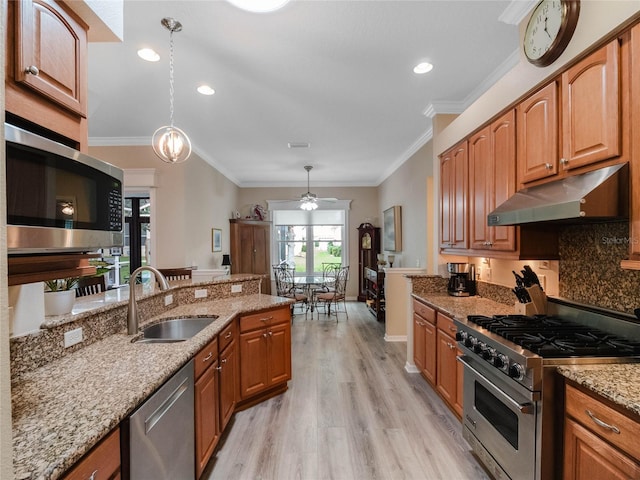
(453, 198)
(575, 121)
(46, 68)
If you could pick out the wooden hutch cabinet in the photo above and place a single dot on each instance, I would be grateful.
(251, 249)
(368, 250)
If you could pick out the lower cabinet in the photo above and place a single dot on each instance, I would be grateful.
(424, 340)
(265, 352)
(228, 383)
(448, 383)
(101, 463)
(599, 440)
(207, 411)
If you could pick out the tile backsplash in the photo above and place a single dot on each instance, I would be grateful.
(590, 270)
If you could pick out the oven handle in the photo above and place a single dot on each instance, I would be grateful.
(525, 408)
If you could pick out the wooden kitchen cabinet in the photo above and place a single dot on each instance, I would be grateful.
(207, 406)
(592, 450)
(101, 463)
(424, 340)
(265, 353)
(46, 69)
(492, 180)
(453, 198)
(229, 374)
(447, 382)
(251, 249)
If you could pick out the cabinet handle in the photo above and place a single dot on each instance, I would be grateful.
(33, 70)
(224, 360)
(93, 475)
(270, 333)
(548, 166)
(208, 357)
(228, 335)
(266, 319)
(602, 424)
(564, 161)
(453, 329)
(218, 368)
(264, 335)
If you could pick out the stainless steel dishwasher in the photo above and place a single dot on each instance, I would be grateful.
(161, 433)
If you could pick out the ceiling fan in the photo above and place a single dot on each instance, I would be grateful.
(309, 201)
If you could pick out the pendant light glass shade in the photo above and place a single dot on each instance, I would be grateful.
(170, 143)
(308, 205)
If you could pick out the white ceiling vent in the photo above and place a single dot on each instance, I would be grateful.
(298, 144)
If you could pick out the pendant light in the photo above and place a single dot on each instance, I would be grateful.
(169, 142)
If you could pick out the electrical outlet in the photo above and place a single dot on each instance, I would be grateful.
(72, 337)
(236, 288)
(487, 274)
(200, 293)
(168, 300)
(543, 264)
(543, 281)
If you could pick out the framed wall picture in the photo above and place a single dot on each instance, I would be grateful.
(392, 229)
(216, 240)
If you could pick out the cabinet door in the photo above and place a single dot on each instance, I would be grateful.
(587, 456)
(446, 201)
(244, 262)
(261, 255)
(459, 196)
(430, 349)
(537, 125)
(228, 383)
(279, 353)
(104, 459)
(418, 342)
(480, 188)
(253, 365)
(206, 417)
(591, 109)
(54, 43)
(447, 369)
(503, 178)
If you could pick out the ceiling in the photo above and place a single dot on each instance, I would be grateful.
(336, 74)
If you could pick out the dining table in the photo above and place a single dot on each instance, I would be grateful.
(308, 284)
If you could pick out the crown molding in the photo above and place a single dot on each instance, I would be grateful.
(516, 11)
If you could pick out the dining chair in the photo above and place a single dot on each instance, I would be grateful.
(183, 273)
(90, 286)
(286, 287)
(335, 296)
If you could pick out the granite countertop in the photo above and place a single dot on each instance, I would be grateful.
(460, 307)
(62, 409)
(615, 382)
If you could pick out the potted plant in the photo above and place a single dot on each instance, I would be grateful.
(59, 296)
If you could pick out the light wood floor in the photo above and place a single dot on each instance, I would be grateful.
(351, 412)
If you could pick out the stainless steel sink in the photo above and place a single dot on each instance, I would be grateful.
(174, 330)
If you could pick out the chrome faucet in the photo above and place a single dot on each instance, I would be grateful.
(132, 312)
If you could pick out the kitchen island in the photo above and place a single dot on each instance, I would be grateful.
(62, 409)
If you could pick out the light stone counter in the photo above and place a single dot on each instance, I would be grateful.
(63, 408)
(618, 382)
(460, 307)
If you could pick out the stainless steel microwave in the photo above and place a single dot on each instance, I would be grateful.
(58, 199)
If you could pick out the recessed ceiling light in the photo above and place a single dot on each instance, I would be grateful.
(259, 6)
(148, 54)
(206, 90)
(423, 67)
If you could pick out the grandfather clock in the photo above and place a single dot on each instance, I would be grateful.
(368, 250)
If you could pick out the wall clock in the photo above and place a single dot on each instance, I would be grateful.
(549, 30)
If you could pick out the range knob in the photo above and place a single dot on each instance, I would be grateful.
(516, 371)
(461, 336)
(489, 353)
(470, 341)
(501, 361)
(479, 347)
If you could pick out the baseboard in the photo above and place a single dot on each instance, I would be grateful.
(411, 368)
(395, 338)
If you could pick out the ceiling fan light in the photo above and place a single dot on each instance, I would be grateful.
(308, 205)
(171, 144)
(259, 6)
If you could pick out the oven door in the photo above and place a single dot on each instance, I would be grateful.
(501, 420)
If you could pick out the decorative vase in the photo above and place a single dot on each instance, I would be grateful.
(59, 303)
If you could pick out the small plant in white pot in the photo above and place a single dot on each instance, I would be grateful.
(59, 296)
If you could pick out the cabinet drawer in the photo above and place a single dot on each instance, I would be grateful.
(227, 335)
(206, 357)
(579, 403)
(425, 312)
(103, 459)
(264, 319)
(446, 324)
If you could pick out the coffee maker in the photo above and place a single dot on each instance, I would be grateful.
(462, 279)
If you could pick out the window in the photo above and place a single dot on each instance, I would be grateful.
(306, 240)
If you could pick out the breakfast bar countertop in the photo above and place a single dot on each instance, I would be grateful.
(62, 409)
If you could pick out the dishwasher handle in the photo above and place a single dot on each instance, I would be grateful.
(157, 415)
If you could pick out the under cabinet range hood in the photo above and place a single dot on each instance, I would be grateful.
(598, 196)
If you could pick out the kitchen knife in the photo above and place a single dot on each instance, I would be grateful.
(531, 275)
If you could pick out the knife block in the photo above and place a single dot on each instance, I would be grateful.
(527, 309)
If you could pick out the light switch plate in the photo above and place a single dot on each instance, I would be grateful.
(201, 293)
(237, 288)
(168, 300)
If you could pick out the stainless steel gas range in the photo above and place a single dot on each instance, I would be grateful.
(512, 409)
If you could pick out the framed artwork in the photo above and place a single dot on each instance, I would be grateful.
(216, 240)
(392, 229)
